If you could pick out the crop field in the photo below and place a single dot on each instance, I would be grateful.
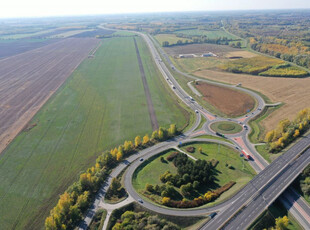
(293, 92)
(12, 47)
(171, 38)
(29, 79)
(212, 34)
(27, 35)
(232, 103)
(219, 50)
(70, 33)
(101, 105)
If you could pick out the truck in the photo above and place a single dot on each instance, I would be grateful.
(219, 134)
(246, 155)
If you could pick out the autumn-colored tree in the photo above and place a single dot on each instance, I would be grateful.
(154, 135)
(172, 130)
(200, 150)
(283, 125)
(296, 133)
(165, 200)
(82, 200)
(282, 223)
(270, 136)
(137, 141)
(114, 152)
(146, 139)
(160, 134)
(119, 156)
(128, 146)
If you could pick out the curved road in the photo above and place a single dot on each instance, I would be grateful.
(239, 140)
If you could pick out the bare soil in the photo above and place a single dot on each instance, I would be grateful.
(230, 102)
(29, 79)
(241, 54)
(294, 92)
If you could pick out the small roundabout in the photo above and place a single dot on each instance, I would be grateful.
(226, 127)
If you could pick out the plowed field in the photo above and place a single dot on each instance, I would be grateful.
(27, 81)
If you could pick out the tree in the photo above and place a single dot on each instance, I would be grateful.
(172, 130)
(165, 200)
(149, 188)
(160, 134)
(119, 156)
(200, 150)
(115, 185)
(128, 146)
(137, 141)
(296, 133)
(155, 135)
(270, 136)
(282, 223)
(146, 139)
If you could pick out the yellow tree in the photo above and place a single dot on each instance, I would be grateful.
(282, 223)
(155, 135)
(137, 141)
(270, 136)
(119, 156)
(160, 134)
(146, 139)
(296, 133)
(172, 130)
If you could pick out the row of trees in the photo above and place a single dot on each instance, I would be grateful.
(305, 181)
(299, 59)
(71, 205)
(287, 131)
(200, 40)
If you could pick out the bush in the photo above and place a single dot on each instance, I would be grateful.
(172, 156)
(190, 149)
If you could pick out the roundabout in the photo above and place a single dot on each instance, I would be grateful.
(226, 127)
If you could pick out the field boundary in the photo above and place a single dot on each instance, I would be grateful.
(150, 105)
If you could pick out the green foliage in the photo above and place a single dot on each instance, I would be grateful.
(143, 220)
(288, 71)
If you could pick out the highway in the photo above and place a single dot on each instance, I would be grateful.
(270, 176)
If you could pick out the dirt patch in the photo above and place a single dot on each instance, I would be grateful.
(230, 102)
(219, 50)
(241, 54)
(294, 92)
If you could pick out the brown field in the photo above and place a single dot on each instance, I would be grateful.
(241, 54)
(199, 49)
(294, 92)
(28, 80)
(230, 102)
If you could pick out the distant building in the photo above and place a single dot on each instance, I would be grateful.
(186, 56)
(210, 54)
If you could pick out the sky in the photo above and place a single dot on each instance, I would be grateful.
(39, 8)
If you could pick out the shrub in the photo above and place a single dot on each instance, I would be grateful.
(190, 149)
(172, 156)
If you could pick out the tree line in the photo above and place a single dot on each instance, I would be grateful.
(74, 202)
(287, 131)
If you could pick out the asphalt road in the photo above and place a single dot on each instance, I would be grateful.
(269, 176)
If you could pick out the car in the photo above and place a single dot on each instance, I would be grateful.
(141, 201)
(213, 214)
(237, 147)
(196, 111)
(259, 109)
(229, 119)
(141, 159)
(173, 87)
(167, 78)
(240, 122)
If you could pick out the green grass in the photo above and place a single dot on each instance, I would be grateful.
(214, 138)
(101, 105)
(123, 33)
(171, 38)
(267, 219)
(202, 122)
(226, 127)
(150, 171)
(258, 130)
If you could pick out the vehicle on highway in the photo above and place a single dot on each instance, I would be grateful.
(213, 214)
(141, 159)
(192, 99)
(196, 111)
(141, 201)
(219, 134)
(173, 87)
(246, 155)
(245, 127)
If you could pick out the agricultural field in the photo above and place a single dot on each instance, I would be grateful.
(171, 38)
(96, 109)
(225, 101)
(39, 73)
(26, 35)
(69, 33)
(12, 47)
(286, 90)
(212, 34)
